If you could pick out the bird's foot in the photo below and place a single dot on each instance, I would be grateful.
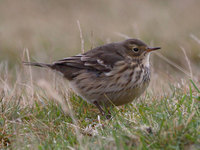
(103, 113)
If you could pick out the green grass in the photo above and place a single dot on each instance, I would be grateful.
(152, 122)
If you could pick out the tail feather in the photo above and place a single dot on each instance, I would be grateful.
(69, 72)
(37, 64)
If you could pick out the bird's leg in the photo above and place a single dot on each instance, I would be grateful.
(108, 116)
(102, 111)
(108, 111)
(99, 107)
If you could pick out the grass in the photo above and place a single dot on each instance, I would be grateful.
(51, 118)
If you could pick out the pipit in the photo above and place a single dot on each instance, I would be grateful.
(111, 74)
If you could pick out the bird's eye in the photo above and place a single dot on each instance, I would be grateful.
(135, 50)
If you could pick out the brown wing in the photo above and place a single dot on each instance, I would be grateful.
(98, 60)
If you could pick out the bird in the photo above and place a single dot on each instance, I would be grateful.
(112, 74)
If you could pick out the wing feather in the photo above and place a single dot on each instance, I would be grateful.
(101, 59)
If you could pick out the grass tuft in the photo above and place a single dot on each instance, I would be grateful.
(166, 122)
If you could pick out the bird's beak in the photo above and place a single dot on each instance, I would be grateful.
(149, 49)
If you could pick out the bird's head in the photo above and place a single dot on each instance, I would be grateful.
(137, 49)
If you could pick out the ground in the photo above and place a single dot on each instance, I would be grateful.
(48, 116)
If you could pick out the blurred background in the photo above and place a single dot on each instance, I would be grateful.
(49, 30)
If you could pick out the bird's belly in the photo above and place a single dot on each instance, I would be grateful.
(112, 90)
(106, 95)
(127, 89)
(127, 95)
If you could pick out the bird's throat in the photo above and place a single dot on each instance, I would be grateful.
(145, 61)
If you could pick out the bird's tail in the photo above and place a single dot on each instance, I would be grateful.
(37, 64)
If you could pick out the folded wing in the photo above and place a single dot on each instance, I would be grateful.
(99, 60)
